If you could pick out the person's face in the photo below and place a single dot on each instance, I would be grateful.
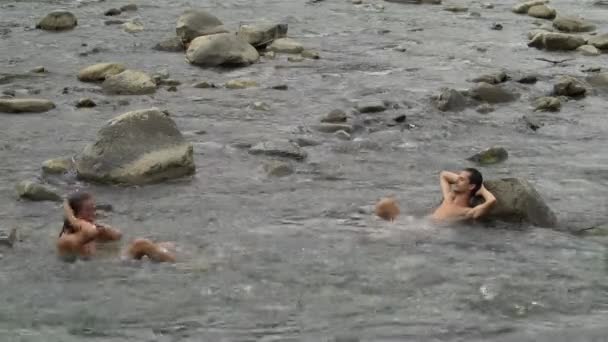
(87, 211)
(463, 184)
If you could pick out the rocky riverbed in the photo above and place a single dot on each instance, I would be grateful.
(261, 153)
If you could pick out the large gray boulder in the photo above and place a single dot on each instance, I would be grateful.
(262, 34)
(491, 93)
(129, 82)
(195, 23)
(34, 191)
(99, 72)
(542, 11)
(556, 41)
(599, 41)
(58, 21)
(138, 147)
(221, 49)
(569, 86)
(518, 201)
(25, 105)
(572, 24)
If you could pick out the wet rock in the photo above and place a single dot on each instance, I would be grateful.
(25, 105)
(133, 26)
(286, 45)
(496, 26)
(196, 23)
(373, 106)
(241, 84)
(450, 100)
(172, 44)
(556, 41)
(114, 22)
(491, 93)
(532, 123)
(58, 21)
(279, 148)
(456, 9)
(129, 82)
(335, 116)
(168, 82)
(112, 11)
(263, 34)
(547, 104)
(599, 41)
(295, 59)
(493, 155)
(306, 141)
(34, 191)
(38, 70)
(485, 109)
(572, 24)
(310, 54)
(172, 89)
(333, 127)
(495, 78)
(417, 2)
(57, 165)
(278, 168)
(597, 230)
(280, 87)
(221, 49)
(262, 106)
(542, 11)
(138, 147)
(527, 79)
(342, 135)
(600, 80)
(588, 50)
(85, 102)
(8, 238)
(569, 86)
(518, 201)
(128, 7)
(400, 118)
(356, 2)
(204, 85)
(100, 71)
(524, 7)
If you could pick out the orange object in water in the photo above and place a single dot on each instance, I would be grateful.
(387, 209)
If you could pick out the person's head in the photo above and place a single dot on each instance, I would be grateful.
(387, 209)
(83, 205)
(469, 181)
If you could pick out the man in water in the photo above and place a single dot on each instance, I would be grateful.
(458, 190)
(80, 233)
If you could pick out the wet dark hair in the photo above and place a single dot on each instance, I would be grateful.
(75, 200)
(475, 178)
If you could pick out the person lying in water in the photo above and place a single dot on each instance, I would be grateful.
(458, 190)
(80, 234)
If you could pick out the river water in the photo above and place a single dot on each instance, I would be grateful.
(294, 258)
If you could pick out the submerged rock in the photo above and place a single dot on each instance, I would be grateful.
(491, 93)
(493, 155)
(133, 26)
(240, 84)
(572, 24)
(25, 105)
(333, 127)
(129, 82)
(496, 78)
(172, 44)
(547, 104)
(569, 86)
(556, 41)
(450, 100)
(456, 9)
(335, 116)
(588, 50)
(310, 54)
(100, 71)
(58, 21)
(278, 168)
(542, 11)
(128, 7)
(518, 201)
(286, 45)
(599, 41)
(373, 106)
(85, 102)
(600, 80)
(8, 238)
(138, 147)
(263, 34)
(112, 11)
(279, 148)
(34, 191)
(58, 165)
(221, 49)
(196, 23)
(484, 108)
(417, 2)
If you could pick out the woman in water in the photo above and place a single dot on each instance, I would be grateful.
(80, 234)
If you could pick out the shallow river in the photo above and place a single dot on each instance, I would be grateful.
(294, 258)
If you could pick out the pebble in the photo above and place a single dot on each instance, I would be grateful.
(496, 26)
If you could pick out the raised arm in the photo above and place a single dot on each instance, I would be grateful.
(70, 217)
(447, 178)
(482, 209)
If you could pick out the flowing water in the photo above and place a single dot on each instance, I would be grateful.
(294, 258)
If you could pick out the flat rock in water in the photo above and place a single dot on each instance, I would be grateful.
(279, 148)
(129, 7)
(572, 24)
(172, 44)
(527, 79)
(416, 2)
(310, 54)
(569, 86)
(518, 201)
(129, 82)
(335, 116)
(600, 80)
(57, 165)
(589, 50)
(542, 11)
(240, 84)
(373, 106)
(450, 100)
(286, 45)
(456, 9)
(484, 108)
(138, 147)
(547, 104)
(99, 72)
(495, 78)
(556, 41)
(524, 7)
(25, 105)
(333, 127)
(195, 23)
(223, 49)
(262, 34)
(599, 41)
(133, 26)
(491, 93)
(34, 191)
(112, 11)
(493, 155)
(58, 21)
(8, 238)
(278, 168)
